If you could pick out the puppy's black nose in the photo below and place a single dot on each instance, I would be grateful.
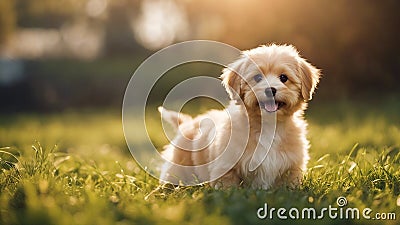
(270, 92)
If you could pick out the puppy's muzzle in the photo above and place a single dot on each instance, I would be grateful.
(271, 105)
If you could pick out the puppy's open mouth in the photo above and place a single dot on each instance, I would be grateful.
(272, 105)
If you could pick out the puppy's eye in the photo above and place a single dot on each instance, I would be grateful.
(258, 77)
(283, 78)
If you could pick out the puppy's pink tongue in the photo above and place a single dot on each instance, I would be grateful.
(271, 106)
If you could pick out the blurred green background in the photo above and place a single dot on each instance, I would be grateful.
(59, 55)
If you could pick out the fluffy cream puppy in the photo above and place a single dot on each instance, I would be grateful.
(259, 140)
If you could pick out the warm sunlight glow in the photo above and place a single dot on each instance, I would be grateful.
(95, 8)
(160, 23)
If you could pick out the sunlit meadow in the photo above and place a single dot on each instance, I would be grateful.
(74, 168)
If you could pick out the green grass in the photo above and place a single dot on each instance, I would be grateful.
(79, 171)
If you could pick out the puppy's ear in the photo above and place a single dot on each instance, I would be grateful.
(232, 80)
(309, 78)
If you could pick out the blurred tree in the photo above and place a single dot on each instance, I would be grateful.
(47, 13)
(7, 20)
(119, 37)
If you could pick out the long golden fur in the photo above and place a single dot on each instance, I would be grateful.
(255, 141)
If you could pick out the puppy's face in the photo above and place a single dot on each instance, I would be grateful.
(272, 78)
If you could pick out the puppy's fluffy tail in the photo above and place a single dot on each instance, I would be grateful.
(172, 117)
